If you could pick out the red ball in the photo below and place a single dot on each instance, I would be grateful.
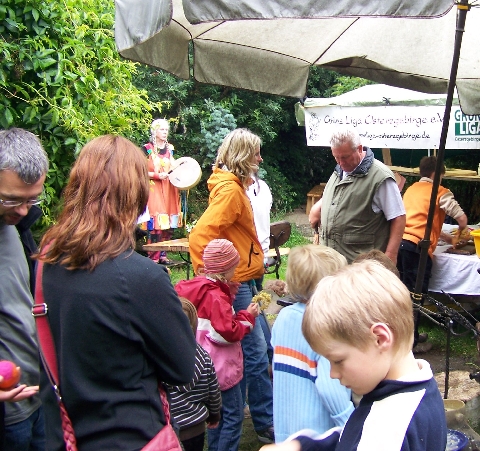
(10, 373)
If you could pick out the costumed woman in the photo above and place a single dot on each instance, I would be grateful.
(164, 198)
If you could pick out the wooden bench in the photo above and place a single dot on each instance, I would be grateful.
(314, 195)
(180, 245)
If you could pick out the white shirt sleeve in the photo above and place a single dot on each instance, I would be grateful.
(388, 199)
(261, 199)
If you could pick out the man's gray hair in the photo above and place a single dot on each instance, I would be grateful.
(345, 136)
(22, 152)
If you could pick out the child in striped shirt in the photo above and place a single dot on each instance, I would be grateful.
(198, 402)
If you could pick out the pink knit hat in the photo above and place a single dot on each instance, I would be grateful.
(219, 257)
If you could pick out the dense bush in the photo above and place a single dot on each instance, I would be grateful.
(62, 78)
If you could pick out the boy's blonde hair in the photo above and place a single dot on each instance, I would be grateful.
(236, 153)
(380, 257)
(346, 305)
(307, 265)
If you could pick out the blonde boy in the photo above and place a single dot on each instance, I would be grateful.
(361, 320)
(304, 394)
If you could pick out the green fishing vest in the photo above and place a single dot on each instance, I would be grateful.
(348, 223)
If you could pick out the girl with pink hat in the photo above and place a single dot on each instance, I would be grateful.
(219, 332)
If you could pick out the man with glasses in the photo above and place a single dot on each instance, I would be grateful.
(23, 168)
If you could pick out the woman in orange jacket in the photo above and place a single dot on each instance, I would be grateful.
(229, 215)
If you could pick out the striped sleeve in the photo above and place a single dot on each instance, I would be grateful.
(197, 400)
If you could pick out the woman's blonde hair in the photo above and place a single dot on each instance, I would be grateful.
(236, 154)
(346, 305)
(106, 192)
(307, 265)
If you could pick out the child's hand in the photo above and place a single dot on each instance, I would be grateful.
(212, 425)
(253, 309)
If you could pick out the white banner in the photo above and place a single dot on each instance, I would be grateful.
(395, 127)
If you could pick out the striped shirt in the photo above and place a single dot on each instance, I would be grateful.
(304, 394)
(200, 398)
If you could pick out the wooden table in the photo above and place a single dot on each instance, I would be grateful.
(453, 174)
(180, 245)
(314, 195)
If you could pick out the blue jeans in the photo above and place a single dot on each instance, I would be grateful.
(226, 436)
(255, 367)
(27, 435)
(267, 333)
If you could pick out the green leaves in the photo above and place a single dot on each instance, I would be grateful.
(61, 78)
(214, 128)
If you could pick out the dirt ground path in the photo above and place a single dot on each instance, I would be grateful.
(300, 219)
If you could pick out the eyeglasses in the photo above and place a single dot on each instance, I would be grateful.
(16, 203)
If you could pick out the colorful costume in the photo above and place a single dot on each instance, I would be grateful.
(164, 199)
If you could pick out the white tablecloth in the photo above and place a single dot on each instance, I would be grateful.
(454, 274)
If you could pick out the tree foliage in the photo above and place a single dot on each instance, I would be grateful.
(62, 78)
(203, 114)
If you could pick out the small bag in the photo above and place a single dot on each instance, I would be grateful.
(165, 440)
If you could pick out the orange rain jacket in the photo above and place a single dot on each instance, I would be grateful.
(229, 215)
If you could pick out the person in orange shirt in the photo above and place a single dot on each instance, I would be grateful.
(417, 202)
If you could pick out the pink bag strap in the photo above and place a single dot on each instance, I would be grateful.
(49, 357)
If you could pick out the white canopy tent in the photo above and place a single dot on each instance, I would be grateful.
(269, 45)
(388, 117)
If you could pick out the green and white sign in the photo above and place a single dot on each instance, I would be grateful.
(388, 117)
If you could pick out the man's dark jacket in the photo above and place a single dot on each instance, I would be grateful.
(29, 245)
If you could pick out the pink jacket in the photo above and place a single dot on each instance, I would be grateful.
(219, 329)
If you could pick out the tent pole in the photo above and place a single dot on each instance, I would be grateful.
(463, 8)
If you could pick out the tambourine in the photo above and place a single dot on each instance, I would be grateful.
(186, 174)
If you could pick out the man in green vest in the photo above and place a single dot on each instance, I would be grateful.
(361, 208)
